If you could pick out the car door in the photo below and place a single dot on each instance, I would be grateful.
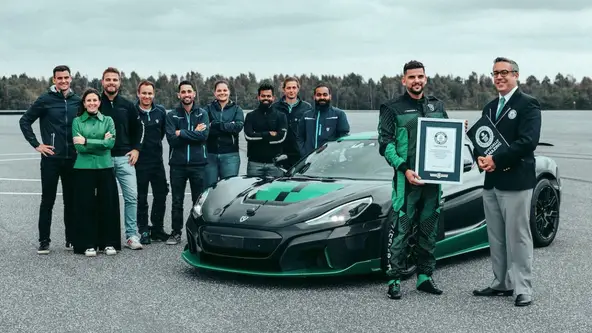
(463, 204)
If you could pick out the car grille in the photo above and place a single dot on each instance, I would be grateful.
(240, 243)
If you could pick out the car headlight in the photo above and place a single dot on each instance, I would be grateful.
(341, 214)
(197, 208)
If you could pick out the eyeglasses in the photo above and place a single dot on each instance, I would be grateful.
(503, 73)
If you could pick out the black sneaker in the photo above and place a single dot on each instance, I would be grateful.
(43, 248)
(429, 286)
(145, 238)
(174, 239)
(159, 235)
(394, 290)
(69, 246)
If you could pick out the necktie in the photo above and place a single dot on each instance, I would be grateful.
(502, 103)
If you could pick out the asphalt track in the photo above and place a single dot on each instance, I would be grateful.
(153, 290)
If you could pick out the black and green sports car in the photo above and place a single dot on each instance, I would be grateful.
(330, 213)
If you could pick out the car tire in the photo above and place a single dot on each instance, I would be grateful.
(544, 217)
(411, 266)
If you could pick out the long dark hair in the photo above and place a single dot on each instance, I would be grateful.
(81, 108)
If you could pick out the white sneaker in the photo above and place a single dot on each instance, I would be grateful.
(110, 251)
(134, 243)
(90, 252)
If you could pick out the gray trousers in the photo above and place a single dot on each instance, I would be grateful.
(510, 239)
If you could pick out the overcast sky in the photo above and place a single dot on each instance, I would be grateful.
(370, 37)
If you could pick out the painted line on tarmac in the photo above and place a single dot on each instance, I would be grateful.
(15, 154)
(19, 159)
(39, 193)
(19, 180)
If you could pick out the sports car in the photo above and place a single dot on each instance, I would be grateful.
(331, 212)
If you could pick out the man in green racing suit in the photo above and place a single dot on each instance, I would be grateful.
(414, 203)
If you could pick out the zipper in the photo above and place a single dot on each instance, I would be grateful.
(318, 130)
(53, 140)
(171, 153)
(188, 128)
(66, 116)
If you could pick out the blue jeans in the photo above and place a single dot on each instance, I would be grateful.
(126, 176)
(221, 166)
(257, 169)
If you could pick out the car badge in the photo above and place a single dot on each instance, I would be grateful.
(243, 218)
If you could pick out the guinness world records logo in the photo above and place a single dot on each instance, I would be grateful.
(484, 136)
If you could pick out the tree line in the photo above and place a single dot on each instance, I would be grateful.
(349, 92)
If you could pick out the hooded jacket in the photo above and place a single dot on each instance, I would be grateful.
(189, 148)
(225, 125)
(154, 124)
(324, 123)
(55, 113)
(130, 131)
(294, 115)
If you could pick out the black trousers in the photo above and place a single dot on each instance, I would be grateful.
(97, 210)
(155, 176)
(52, 169)
(179, 177)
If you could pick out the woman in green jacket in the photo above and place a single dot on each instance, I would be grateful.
(97, 198)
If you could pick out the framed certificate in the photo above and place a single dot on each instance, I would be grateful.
(438, 157)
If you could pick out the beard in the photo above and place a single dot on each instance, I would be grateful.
(323, 102)
(415, 91)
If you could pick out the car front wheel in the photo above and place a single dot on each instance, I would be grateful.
(544, 218)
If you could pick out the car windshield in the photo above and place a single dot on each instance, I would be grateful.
(348, 159)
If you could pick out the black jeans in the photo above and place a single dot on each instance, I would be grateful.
(179, 177)
(52, 169)
(154, 175)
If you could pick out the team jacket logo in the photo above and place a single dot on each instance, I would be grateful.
(431, 107)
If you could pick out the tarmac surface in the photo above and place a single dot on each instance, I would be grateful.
(153, 290)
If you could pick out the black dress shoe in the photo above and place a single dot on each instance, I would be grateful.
(429, 287)
(523, 300)
(492, 292)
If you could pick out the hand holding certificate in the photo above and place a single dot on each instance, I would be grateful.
(439, 150)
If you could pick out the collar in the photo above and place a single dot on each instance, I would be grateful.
(142, 110)
(85, 116)
(509, 95)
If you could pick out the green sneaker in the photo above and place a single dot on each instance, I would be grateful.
(394, 289)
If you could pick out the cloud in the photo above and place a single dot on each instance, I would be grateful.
(372, 37)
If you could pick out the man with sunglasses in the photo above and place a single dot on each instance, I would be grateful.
(509, 182)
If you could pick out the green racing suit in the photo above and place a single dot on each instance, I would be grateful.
(416, 207)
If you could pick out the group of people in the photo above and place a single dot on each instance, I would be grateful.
(90, 142)
(510, 178)
(99, 139)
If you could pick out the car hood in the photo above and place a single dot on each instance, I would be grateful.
(279, 203)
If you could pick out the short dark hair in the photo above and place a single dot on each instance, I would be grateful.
(290, 79)
(146, 83)
(87, 92)
(111, 70)
(265, 86)
(185, 82)
(61, 68)
(321, 85)
(221, 81)
(413, 64)
(510, 61)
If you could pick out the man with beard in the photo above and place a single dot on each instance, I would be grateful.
(265, 130)
(322, 124)
(150, 167)
(55, 109)
(293, 107)
(509, 181)
(187, 129)
(128, 143)
(414, 203)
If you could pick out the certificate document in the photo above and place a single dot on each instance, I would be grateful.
(440, 149)
(438, 157)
